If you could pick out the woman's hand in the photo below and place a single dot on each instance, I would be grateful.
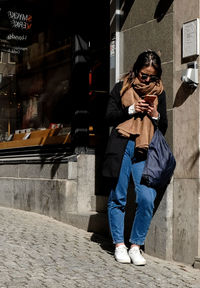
(141, 106)
(152, 111)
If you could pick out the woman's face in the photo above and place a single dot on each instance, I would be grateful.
(147, 75)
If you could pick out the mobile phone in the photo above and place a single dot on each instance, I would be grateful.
(150, 98)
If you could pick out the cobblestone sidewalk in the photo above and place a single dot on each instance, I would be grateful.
(37, 251)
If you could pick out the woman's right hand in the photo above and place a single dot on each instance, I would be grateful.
(141, 106)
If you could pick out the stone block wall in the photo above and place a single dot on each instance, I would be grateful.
(186, 145)
(64, 191)
(49, 189)
(141, 31)
(157, 25)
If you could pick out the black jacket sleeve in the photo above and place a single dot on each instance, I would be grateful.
(115, 114)
(163, 122)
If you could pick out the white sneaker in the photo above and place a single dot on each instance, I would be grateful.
(121, 254)
(136, 256)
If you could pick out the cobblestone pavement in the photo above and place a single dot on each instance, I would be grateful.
(37, 251)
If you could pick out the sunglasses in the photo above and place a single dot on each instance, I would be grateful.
(153, 78)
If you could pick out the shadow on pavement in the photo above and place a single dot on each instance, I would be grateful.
(104, 242)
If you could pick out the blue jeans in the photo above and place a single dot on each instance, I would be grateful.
(145, 197)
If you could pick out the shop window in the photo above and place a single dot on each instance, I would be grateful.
(1, 57)
(12, 58)
(37, 68)
(36, 74)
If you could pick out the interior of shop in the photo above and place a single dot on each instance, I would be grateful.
(54, 71)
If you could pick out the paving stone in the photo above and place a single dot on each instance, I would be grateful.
(39, 252)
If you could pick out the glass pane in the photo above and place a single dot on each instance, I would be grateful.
(35, 65)
(53, 65)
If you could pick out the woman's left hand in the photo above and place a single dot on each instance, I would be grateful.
(152, 111)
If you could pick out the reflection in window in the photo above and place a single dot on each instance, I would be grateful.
(35, 65)
(1, 57)
(12, 58)
(41, 84)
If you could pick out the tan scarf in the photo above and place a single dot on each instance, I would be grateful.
(140, 125)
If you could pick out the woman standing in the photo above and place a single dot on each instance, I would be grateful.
(134, 119)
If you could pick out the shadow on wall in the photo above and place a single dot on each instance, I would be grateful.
(127, 4)
(183, 93)
(162, 8)
(54, 165)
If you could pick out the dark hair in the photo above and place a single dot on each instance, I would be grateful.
(145, 59)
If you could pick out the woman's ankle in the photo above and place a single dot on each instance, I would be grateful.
(135, 245)
(119, 244)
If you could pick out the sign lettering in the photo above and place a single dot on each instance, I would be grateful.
(20, 20)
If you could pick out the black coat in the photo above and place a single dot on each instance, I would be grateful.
(115, 115)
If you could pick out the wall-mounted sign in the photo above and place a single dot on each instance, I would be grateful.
(191, 38)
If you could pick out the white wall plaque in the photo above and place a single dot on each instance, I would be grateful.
(191, 38)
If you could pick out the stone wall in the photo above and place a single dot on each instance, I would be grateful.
(64, 191)
(157, 25)
(186, 146)
(149, 25)
(48, 189)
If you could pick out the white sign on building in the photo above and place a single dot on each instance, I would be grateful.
(191, 38)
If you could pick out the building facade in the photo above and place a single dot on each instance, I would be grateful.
(54, 84)
(56, 71)
(160, 26)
